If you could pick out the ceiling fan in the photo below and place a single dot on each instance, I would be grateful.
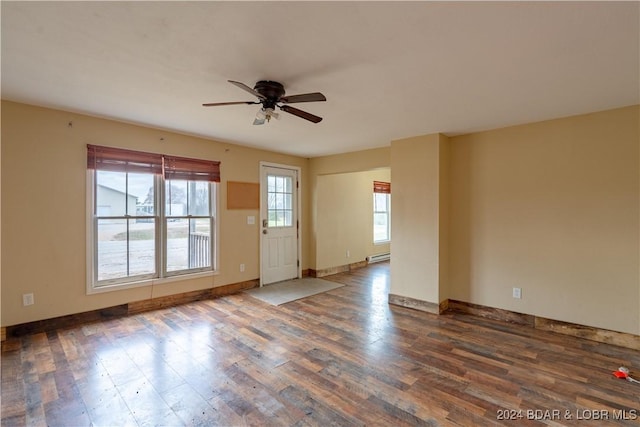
(271, 95)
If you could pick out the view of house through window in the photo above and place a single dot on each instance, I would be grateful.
(126, 228)
(150, 221)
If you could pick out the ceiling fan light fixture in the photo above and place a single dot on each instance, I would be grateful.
(270, 112)
(264, 114)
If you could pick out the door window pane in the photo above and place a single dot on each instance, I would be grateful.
(279, 201)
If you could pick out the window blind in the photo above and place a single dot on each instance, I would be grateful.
(120, 160)
(191, 169)
(381, 187)
(171, 167)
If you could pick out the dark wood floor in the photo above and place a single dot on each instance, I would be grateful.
(345, 357)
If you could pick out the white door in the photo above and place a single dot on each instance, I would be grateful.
(279, 223)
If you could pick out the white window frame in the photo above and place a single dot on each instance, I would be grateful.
(161, 276)
(388, 213)
(213, 210)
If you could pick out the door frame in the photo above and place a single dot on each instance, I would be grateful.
(263, 187)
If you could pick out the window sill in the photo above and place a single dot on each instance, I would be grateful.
(148, 282)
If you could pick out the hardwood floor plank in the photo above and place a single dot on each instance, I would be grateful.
(315, 412)
(406, 416)
(345, 357)
(104, 404)
(268, 406)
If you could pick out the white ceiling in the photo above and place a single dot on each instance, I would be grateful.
(388, 69)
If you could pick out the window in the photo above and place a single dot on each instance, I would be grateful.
(152, 216)
(188, 224)
(280, 201)
(125, 235)
(381, 212)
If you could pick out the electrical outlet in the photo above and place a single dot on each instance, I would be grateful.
(241, 268)
(27, 299)
(517, 293)
(348, 253)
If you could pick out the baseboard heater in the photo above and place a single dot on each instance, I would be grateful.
(379, 257)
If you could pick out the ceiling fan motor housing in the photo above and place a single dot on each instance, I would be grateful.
(272, 91)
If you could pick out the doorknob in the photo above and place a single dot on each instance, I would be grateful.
(264, 231)
(264, 223)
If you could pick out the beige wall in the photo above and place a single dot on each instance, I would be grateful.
(346, 220)
(44, 214)
(1, 324)
(552, 208)
(358, 161)
(361, 161)
(416, 217)
(444, 212)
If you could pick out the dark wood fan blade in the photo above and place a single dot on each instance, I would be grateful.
(247, 88)
(304, 97)
(216, 104)
(301, 114)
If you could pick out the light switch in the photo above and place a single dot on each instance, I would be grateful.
(251, 220)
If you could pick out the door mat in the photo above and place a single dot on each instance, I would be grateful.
(291, 290)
